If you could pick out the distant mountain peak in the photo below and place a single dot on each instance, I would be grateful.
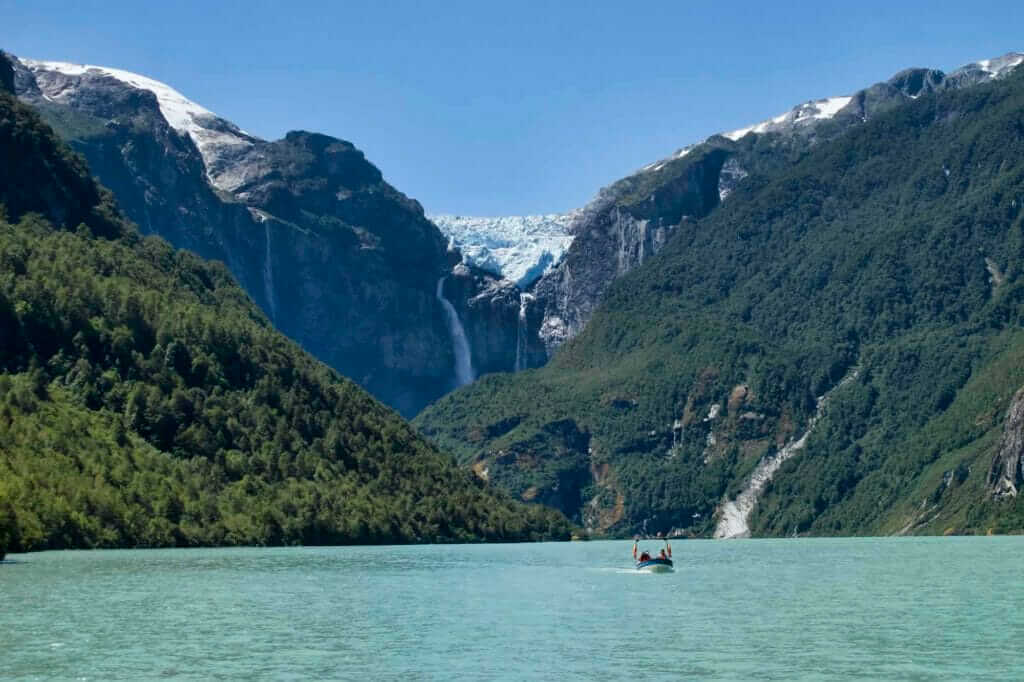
(1000, 66)
(213, 136)
(812, 112)
(802, 114)
(822, 109)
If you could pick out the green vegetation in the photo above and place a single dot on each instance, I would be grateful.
(145, 401)
(897, 248)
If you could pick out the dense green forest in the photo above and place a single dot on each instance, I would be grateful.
(146, 401)
(895, 251)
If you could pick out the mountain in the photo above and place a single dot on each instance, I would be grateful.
(146, 401)
(338, 259)
(353, 270)
(835, 348)
(633, 218)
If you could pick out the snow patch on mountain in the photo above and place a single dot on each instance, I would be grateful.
(658, 165)
(815, 110)
(1000, 66)
(212, 135)
(516, 248)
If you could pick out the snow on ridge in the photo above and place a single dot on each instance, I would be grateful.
(814, 110)
(999, 66)
(661, 163)
(758, 128)
(176, 108)
(822, 109)
(830, 106)
(181, 113)
(516, 248)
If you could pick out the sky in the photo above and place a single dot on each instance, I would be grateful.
(486, 108)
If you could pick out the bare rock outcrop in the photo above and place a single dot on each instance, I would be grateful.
(1007, 472)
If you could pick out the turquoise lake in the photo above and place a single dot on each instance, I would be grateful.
(879, 609)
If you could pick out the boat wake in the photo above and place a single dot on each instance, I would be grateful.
(621, 571)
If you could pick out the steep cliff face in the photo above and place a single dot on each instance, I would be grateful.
(627, 223)
(1007, 471)
(350, 266)
(497, 318)
(337, 258)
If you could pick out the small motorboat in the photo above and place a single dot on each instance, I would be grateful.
(655, 565)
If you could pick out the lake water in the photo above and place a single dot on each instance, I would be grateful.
(916, 608)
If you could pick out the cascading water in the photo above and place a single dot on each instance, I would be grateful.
(460, 344)
(521, 333)
(733, 515)
(268, 277)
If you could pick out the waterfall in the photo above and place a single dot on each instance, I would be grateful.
(268, 278)
(522, 334)
(460, 344)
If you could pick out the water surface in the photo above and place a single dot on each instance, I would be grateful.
(916, 608)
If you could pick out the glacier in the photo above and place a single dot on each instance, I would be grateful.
(516, 248)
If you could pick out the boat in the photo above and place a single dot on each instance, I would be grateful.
(655, 565)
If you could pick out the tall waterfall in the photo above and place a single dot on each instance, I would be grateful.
(460, 344)
(521, 333)
(268, 277)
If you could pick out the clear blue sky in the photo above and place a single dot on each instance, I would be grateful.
(485, 108)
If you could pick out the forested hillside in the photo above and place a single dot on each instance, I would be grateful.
(892, 256)
(146, 401)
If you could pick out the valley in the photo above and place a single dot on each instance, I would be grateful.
(808, 325)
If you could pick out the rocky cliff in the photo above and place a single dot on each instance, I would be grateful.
(337, 258)
(1007, 471)
(627, 223)
(497, 319)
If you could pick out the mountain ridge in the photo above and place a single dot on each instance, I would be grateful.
(629, 220)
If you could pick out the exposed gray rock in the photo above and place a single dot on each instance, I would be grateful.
(624, 226)
(496, 317)
(1007, 471)
(731, 176)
